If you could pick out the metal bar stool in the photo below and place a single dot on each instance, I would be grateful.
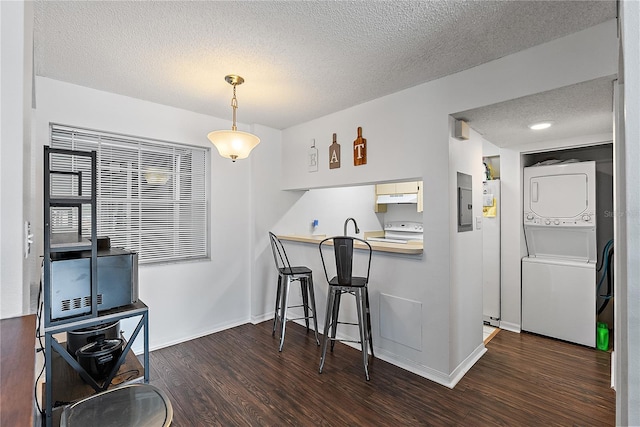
(345, 282)
(286, 275)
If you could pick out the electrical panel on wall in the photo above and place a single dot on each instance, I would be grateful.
(465, 202)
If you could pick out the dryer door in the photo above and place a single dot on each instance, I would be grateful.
(559, 196)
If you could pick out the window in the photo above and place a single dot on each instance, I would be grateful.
(152, 196)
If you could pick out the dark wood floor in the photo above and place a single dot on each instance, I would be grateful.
(238, 378)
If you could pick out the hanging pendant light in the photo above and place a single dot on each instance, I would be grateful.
(233, 144)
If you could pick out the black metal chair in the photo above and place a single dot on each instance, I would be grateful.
(286, 275)
(345, 282)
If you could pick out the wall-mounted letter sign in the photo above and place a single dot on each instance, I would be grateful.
(334, 154)
(359, 150)
(312, 159)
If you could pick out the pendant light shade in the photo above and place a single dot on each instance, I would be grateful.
(233, 144)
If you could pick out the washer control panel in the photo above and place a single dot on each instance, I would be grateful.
(585, 219)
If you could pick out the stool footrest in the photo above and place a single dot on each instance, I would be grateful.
(344, 340)
(348, 323)
(299, 318)
(299, 306)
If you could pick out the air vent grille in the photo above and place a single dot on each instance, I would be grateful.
(78, 303)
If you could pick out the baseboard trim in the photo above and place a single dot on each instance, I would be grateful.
(137, 350)
(513, 327)
(613, 370)
(431, 374)
(263, 318)
(466, 364)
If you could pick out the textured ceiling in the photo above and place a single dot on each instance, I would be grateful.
(581, 109)
(300, 59)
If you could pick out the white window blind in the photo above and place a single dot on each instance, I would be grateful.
(152, 196)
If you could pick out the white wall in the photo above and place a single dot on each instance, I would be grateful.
(15, 129)
(489, 149)
(407, 135)
(627, 204)
(186, 299)
(465, 318)
(331, 207)
(269, 205)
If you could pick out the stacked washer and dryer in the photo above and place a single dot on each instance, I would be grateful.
(559, 273)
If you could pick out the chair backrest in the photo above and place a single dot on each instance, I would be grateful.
(343, 253)
(279, 254)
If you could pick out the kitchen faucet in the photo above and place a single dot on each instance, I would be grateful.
(354, 223)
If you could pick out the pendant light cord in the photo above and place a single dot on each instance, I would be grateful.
(234, 106)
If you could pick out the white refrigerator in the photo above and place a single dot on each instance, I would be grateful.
(491, 252)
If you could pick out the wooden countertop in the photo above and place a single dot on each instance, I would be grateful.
(411, 248)
(17, 365)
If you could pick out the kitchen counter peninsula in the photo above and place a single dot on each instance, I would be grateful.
(410, 248)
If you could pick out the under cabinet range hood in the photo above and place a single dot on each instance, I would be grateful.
(386, 199)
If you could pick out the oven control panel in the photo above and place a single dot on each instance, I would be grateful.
(406, 226)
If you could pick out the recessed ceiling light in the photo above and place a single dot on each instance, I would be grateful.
(540, 125)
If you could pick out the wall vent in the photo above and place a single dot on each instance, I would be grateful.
(401, 320)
